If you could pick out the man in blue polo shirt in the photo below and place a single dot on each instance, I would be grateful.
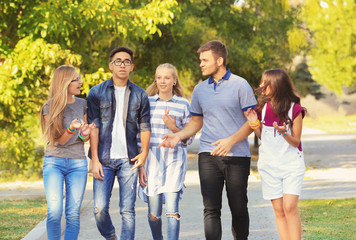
(218, 106)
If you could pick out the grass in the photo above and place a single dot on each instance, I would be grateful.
(18, 217)
(328, 219)
(332, 123)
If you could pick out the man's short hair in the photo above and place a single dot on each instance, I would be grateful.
(218, 49)
(121, 49)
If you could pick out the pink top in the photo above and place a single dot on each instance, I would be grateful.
(271, 117)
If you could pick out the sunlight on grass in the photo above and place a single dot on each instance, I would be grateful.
(333, 123)
(328, 218)
(20, 216)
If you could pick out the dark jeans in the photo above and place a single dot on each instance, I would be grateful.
(213, 173)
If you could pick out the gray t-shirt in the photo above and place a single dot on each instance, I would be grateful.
(74, 148)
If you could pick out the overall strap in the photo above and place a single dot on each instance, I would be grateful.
(290, 115)
(263, 113)
(290, 112)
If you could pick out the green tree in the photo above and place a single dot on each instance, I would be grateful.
(332, 27)
(259, 34)
(38, 36)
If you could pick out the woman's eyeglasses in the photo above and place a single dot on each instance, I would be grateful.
(77, 80)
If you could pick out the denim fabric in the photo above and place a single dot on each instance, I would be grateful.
(171, 200)
(101, 110)
(214, 172)
(73, 172)
(102, 193)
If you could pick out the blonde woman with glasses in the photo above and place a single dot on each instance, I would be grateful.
(65, 128)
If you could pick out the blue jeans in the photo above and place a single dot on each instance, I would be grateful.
(102, 192)
(73, 172)
(172, 208)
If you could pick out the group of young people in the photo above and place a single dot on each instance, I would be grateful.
(137, 135)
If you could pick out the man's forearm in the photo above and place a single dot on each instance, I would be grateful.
(145, 140)
(241, 134)
(191, 128)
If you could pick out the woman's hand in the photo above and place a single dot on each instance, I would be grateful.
(169, 122)
(251, 115)
(280, 129)
(75, 124)
(86, 128)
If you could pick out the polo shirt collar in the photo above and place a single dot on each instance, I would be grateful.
(225, 77)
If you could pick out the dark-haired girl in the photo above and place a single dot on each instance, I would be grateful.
(277, 121)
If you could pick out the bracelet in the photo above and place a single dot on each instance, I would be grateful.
(254, 125)
(283, 133)
(70, 131)
(81, 133)
(82, 136)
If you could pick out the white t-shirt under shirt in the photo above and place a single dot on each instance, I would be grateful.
(118, 144)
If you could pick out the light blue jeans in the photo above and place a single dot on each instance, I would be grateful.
(73, 172)
(172, 208)
(121, 168)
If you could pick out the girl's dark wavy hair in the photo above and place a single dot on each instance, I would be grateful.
(282, 92)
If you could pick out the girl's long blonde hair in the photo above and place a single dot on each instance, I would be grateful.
(52, 129)
(177, 88)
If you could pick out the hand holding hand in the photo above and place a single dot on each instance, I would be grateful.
(86, 129)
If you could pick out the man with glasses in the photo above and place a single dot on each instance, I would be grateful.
(120, 110)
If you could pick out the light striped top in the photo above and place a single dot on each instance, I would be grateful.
(166, 167)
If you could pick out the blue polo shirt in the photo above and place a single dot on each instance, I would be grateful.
(222, 105)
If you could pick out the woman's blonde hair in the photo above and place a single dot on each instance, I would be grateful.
(52, 129)
(177, 88)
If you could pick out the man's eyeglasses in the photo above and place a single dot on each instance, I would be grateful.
(118, 62)
(77, 80)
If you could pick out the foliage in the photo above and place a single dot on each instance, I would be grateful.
(303, 81)
(256, 37)
(328, 218)
(38, 36)
(332, 57)
(20, 216)
(24, 83)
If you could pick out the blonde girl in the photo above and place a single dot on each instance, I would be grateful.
(162, 178)
(65, 128)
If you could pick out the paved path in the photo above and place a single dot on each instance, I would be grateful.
(331, 164)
